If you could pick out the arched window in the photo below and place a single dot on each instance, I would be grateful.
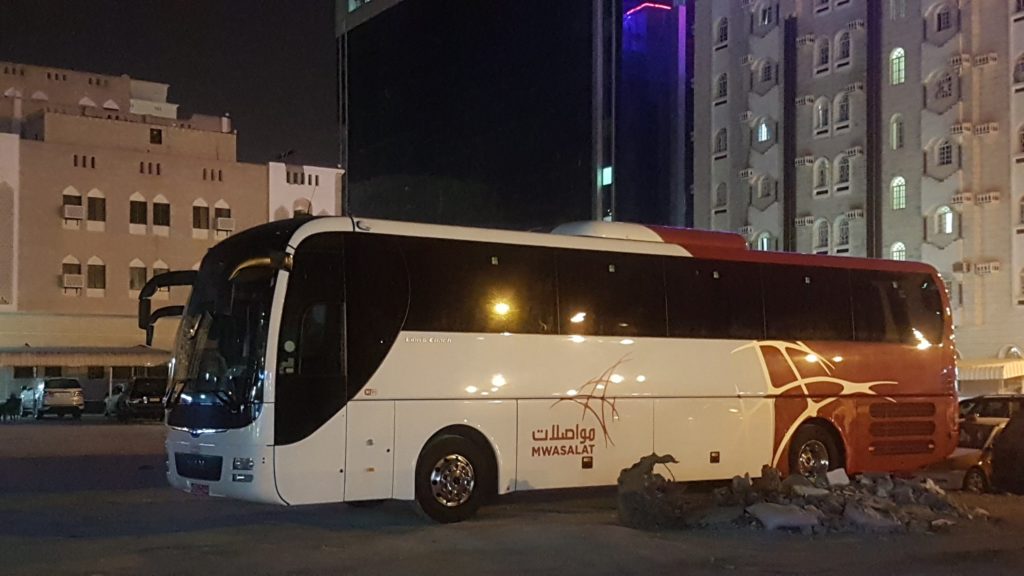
(1018, 70)
(763, 132)
(842, 170)
(721, 141)
(136, 275)
(12, 92)
(86, 102)
(96, 209)
(40, 96)
(822, 177)
(823, 53)
(843, 47)
(200, 215)
(764, 187)
(161, 211)
(842, 231)
(138, 210)
(944, 220)
(843, 108)
(943, 19)
(722, 31)
(111, 105)
(898, 191)
(767, 71)
(1020, 211)
(945, 153)
(70, 265)
(896, 132)
(897, 67)
(160, 267)
(944, 87)
(721, 195)
(71, 197)
(822, 115)
(764, 242)
(722, 86)
(96, 274)
(898, 251)
(821, 236)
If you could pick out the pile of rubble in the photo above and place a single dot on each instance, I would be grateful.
(831, 503)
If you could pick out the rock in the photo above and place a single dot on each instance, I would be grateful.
(884, 483)
(774, 516)
(903, 495)
(941, 524)
(918, 512)
(809, 491)
(980, 513)
(881, 492)
(932, 487)
(723, 496)
(770, 481)
(865, 480)
(721, 516)
(795, 480)
(869, 519)
(645, 499)
(837, 477)
(741, 484)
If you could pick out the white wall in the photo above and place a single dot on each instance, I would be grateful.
(320, 195)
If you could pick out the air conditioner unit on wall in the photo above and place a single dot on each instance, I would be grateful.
(987, 267)
(73, 281)
(225, 224)
(962, 267)
(72, 212)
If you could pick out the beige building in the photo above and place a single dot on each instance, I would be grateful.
(890, 129)
(101, 187)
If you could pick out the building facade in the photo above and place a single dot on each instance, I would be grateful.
(520, 114)
(102, 187)
(884, 129)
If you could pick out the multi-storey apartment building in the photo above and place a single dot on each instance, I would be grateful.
(887, 129)
(102, 186)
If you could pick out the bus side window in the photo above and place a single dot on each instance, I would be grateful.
(320, 349)
(714, 299)
(807, 303)
(611, 294)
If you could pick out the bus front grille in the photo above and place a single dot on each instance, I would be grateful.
(198, 466)
(901, 447)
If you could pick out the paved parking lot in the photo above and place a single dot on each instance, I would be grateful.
(89, 498)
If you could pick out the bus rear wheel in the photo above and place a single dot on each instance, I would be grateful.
(450, 477)
(813, 452)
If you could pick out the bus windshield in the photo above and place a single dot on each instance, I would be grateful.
(216, 378)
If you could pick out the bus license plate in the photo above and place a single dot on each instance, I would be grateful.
(200, 489)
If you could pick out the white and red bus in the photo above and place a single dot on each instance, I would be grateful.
(333, 359)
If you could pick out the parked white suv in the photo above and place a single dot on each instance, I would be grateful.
(58, 396)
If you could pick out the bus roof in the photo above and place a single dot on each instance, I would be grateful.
(615, 237)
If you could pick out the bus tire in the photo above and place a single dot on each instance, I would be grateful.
(450, 479)
(813, 451)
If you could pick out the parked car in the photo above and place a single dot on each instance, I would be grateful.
(969, 467)
(28, 399)
(1008, 457)
(139, 398)
(58, 396)
(992, 406)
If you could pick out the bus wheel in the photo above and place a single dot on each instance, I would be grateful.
(813, 452)
(449, 479)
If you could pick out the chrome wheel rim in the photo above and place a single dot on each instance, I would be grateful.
(813, 458)
(974, 482)
(452, 480)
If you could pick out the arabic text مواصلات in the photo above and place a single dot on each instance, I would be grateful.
(557, 434)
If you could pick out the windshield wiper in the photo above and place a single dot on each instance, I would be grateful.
(227, 399)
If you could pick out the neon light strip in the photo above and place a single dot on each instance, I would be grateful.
(636, 9)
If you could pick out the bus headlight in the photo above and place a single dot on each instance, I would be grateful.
(242, 464)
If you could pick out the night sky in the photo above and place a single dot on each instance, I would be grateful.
(270, 64)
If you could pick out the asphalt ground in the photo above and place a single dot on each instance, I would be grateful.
(90, 498)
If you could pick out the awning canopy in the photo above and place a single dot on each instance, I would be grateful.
(990, 369)
(75, 356)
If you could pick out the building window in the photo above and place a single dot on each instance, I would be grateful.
(763, 133)
(945, 153)
(200, 217)
(96, 372)
(821, 237)
(1018, 71)
(824, 51)
(136, 276)
(721, 87)
(97, 276)
(897, 67)
(821, 5)
(896, 132)
(944, 87)
(897, 9)
(843, 232)
(764, 187)
(764, 242)
(24, 372)
(97, 209)
(161, 214)
(766, 16)
(843, 47)
(944, 220)
(722, 34)
(898, 191)
(52, 371)
(71, 266)
(156, 136)
(72, 199)
(822, 178)
(721, 195)
(721, 141)
(137, 213)
(842, 171)
(822, 117)
(767, 72)
(843, 109)
(898, 251)
(222, 213)
(943, 19)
